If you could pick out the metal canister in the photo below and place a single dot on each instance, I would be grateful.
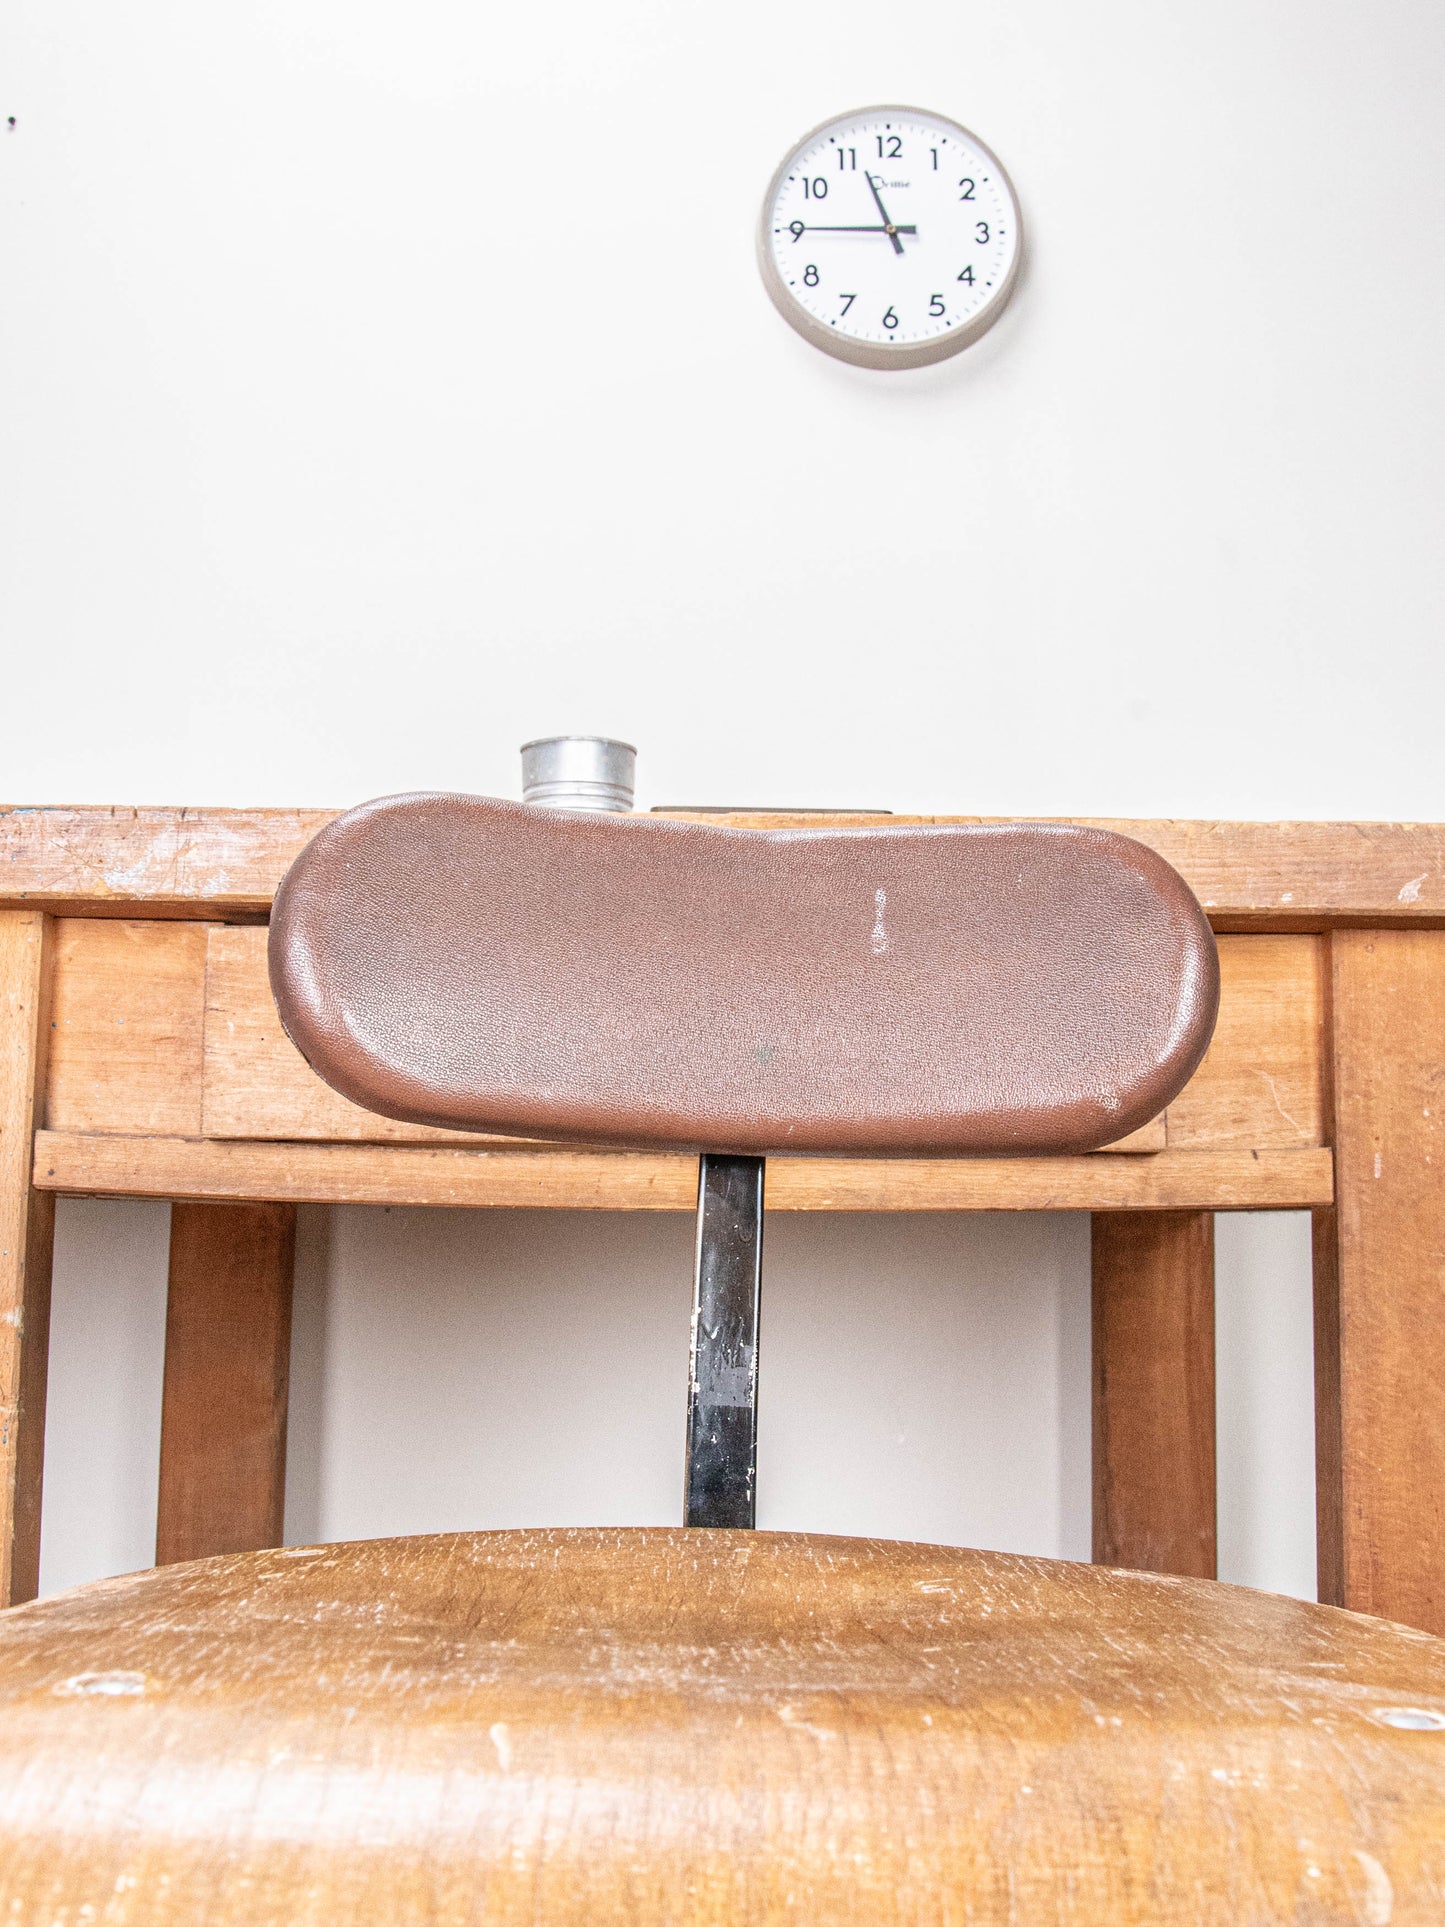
(579, 773)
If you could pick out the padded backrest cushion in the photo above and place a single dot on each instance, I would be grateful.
(457, 961)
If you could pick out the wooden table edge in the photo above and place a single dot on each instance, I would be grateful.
(224, 864)
(78, 1164)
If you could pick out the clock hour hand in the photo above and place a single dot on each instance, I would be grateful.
(888, 228)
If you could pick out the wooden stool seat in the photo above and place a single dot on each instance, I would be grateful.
(645, 1726)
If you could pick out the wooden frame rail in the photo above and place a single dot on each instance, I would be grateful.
(140, 1055)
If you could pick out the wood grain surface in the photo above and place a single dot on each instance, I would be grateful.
(27, 1234)
(1380, 1283)
(228, 1359)
(1260, 1082)
(1153, 1320)
(101, 1166)
(710, 1727)
(128, 1014)
(188, 862)
(222, 863)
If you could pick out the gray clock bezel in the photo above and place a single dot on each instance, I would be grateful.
(874, 354)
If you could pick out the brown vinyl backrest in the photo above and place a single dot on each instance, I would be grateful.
(949, 990)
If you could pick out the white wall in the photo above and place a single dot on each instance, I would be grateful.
(385, 385)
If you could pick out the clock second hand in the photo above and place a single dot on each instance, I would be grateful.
(888, 228)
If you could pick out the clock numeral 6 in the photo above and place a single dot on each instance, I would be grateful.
(810, 276)
(890, 320)
(935, 304)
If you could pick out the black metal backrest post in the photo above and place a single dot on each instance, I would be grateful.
(722, 1412)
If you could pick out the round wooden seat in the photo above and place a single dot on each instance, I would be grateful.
(648, 1726)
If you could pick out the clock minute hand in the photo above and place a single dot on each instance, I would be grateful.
(888, 228)
(822, 228)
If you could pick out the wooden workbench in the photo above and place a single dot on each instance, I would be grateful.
(142, 1058)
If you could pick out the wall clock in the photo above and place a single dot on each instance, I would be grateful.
(890, 237)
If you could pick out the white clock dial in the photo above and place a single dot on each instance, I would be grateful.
(890, 237)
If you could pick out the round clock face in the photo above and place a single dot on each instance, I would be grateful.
(890, 237)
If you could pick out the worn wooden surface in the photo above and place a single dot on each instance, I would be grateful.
(1260, 1081)
(710, 1727)
(121, 1167)
(1380, 1283)
(126, 1049)
(222, 863)
(1153, 1319)
(27, 1230)
(228, 1353)
(185, 862)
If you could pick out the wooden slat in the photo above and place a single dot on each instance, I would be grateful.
(27, 1228)
(1329, 1431)
(228, 1349)
(222, 863)
(629, 1181)
(1260, 1082)
(1380, 1283)
(206, 863)
(125, 1050)
(258, 1085)
(1154, 1486)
